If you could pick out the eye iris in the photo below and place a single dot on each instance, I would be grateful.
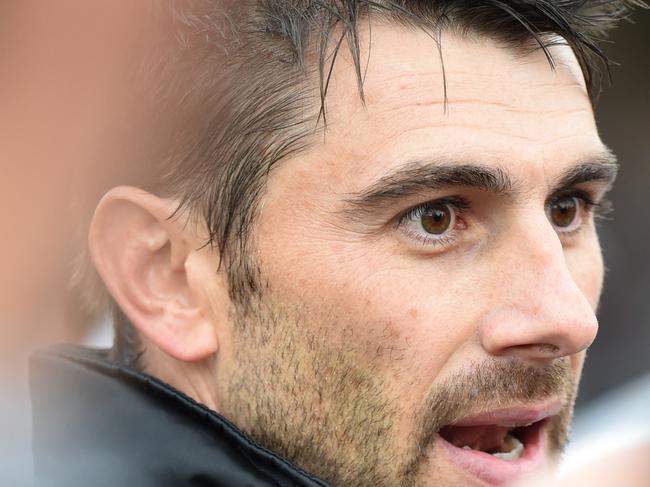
(436, 220)
(564, 212)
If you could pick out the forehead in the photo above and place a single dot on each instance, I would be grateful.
(490, 105)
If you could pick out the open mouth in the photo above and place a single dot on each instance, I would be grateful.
(502, 442)
(498, 447)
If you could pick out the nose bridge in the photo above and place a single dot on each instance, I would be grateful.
(540, 265)
(541, 313)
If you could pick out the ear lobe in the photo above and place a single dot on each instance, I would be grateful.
(142, 256)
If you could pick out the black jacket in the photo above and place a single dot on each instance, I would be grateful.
(99, 424)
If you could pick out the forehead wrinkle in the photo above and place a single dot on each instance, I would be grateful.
(506, 107)
(398, 100)
(462, 80)
(468, 76)
(382, 99)
(548, 113)
(389, 84)
(467, 126)
(395, 89)
(395, 109)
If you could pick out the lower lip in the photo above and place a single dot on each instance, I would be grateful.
(494, 471)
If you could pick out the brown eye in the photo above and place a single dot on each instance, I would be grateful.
(564, 212)
(436, 220)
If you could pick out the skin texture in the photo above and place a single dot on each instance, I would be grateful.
(398, 316)
(362, 325)
(368, 337)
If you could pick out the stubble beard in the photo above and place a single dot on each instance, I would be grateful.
(298, 394)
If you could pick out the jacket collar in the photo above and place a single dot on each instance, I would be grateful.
(99, 423)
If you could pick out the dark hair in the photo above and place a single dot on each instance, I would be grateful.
(251, 73)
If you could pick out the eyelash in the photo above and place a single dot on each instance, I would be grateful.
(588, 206)
(460, 205)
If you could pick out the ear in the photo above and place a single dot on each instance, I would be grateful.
(153, 267)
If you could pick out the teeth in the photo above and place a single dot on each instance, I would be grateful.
(514, 454)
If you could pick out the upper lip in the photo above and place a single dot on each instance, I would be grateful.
(512, 417)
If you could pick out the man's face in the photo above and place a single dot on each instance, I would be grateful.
(431, 271)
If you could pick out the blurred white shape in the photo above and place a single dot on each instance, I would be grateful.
(100, 334)
(618, 421)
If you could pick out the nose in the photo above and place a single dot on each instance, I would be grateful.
(541, 313)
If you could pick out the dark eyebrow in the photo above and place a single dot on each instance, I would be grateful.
(600, 168)
(417, 177)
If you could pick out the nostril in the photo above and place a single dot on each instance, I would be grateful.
(539, 334)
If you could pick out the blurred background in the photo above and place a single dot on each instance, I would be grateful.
(73, 123)
(622, 349)
(613, 407)
(76, 118)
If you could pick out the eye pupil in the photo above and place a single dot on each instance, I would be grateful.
(563, 212)
(437, 220)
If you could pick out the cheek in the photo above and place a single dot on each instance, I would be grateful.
(401, 322)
